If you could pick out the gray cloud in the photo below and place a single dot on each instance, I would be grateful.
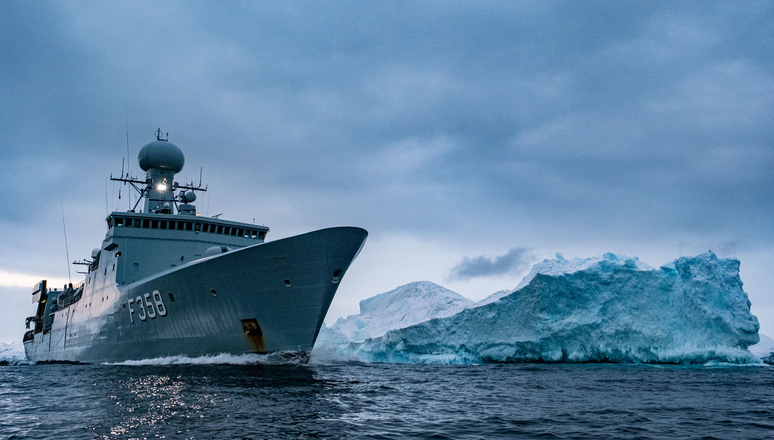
(624, 116)
(482, 266)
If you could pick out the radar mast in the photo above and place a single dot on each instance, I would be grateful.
(161, 160)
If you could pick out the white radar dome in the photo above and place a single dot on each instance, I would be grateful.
(162, 155)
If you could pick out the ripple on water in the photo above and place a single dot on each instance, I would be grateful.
(295, 400)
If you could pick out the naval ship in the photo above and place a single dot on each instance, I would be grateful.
(167, 281)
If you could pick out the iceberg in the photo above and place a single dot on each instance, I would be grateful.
(560, 266)
(610, 308)
(764, 349)
(13, 351)
(402, 307)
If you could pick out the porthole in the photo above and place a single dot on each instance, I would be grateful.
(287, 282)
(214, 293)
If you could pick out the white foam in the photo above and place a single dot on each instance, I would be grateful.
(279, 358)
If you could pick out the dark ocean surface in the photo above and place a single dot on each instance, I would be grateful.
(377, 401)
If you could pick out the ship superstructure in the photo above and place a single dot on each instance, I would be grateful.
(166, 281)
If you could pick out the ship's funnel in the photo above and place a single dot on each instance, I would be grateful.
(160, 160)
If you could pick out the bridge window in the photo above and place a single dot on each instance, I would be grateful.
(188, 226)
(145, 223)
(119, 221)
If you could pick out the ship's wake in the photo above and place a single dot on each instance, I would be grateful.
(278, 358)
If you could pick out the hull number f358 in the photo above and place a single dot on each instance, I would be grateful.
(154, 303)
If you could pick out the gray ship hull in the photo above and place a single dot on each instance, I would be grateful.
(267, 297)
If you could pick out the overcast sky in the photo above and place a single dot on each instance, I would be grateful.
(471, 139)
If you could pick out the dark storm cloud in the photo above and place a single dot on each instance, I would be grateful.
(482, 266)
(584, 119)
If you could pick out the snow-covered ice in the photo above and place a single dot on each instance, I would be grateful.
(13, 351)
(608, 308)
(764, 349)
(559, 266)
(405, 306)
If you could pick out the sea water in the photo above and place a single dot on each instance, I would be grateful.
(179, 400)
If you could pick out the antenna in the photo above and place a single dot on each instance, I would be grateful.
(158, 135)
(67, 250)
(106, 198)
(126, 113)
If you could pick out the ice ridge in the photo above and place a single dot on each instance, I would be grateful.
(609, 309)
(402, 307)
(13, 351)
(560, 265)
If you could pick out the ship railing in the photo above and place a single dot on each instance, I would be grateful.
(69, 297)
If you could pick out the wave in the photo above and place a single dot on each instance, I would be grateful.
(278, 358)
